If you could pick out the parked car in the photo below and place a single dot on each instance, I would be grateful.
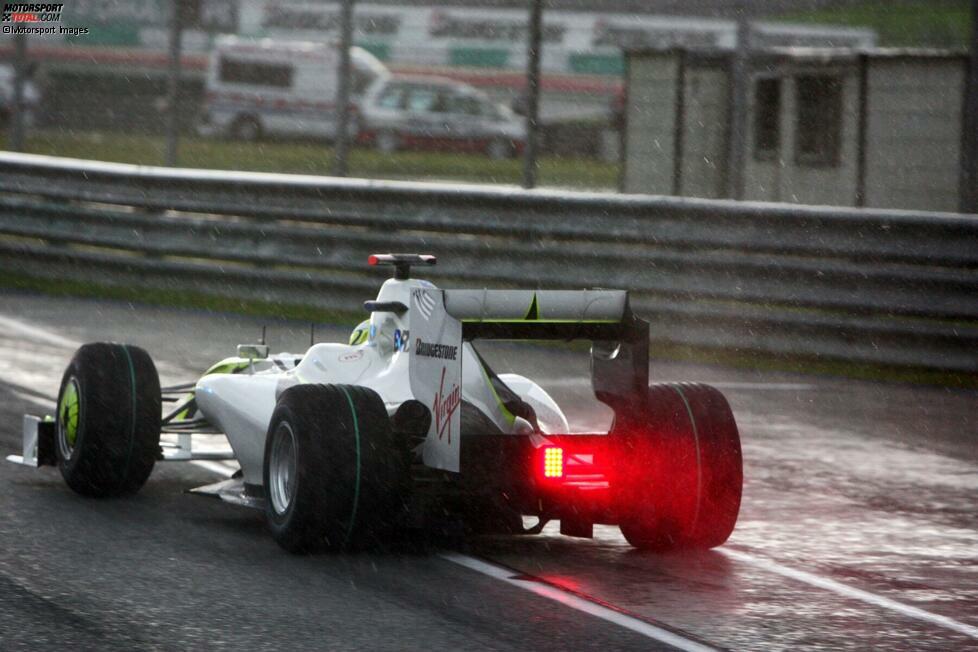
(416, 112)
(280, 88)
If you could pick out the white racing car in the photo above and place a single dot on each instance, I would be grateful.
(407, 425)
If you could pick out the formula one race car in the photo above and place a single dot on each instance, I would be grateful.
(407, 423)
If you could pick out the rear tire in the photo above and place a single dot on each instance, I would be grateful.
(680, 469)
(347, 478)
(109, 420)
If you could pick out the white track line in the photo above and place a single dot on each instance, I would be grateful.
(851, 592)
(782, 387)
(37, 333)
(33, 398)
(576, 602)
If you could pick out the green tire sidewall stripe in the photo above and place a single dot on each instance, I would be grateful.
(699, 467)
(356, 483)
(132, 415)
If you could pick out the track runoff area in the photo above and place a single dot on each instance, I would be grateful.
(855, 530)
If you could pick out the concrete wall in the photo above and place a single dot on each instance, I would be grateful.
(914, 133)
(650, 121)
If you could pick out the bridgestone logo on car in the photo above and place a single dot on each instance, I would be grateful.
(440, 351)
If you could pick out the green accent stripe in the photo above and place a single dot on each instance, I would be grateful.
(356, 485)
(533, 312)
(509, 416)
(132, 418)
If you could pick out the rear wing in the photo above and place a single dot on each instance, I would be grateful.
(620, 340)
(543, 314)
(443, 319)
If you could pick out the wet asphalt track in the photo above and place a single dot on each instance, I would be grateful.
(859, 527)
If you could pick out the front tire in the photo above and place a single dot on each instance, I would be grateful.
(109, 420)
(334, 476)
(680, 470)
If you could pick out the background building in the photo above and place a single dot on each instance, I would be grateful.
(878, 128)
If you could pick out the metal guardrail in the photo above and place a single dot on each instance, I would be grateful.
(886, 287)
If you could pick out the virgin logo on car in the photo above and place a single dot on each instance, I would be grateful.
(445, 406)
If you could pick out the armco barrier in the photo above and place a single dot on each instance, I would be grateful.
(887, 287)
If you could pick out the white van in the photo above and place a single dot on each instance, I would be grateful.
(257, 88)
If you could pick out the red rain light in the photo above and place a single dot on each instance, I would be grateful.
(553, 462)
(372, 260)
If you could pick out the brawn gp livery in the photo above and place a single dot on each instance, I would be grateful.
(407, 426)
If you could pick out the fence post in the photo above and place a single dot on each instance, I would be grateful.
(173, 82)
(862, 130)
(533, 94)
(739, 94)
(969, 125)
(16, 143)
(341, 162)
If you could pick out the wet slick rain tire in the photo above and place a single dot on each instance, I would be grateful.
(350, 476)
(680, 470)
(109, 419)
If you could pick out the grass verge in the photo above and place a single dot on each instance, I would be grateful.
(179, 299)
(899, 23)
(303, 157)
(760, 361)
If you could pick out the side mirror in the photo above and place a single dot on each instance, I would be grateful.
(253, 351)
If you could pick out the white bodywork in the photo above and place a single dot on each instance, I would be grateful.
(390, 363)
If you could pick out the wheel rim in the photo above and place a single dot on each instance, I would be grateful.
(282, 465)
(68, 416)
